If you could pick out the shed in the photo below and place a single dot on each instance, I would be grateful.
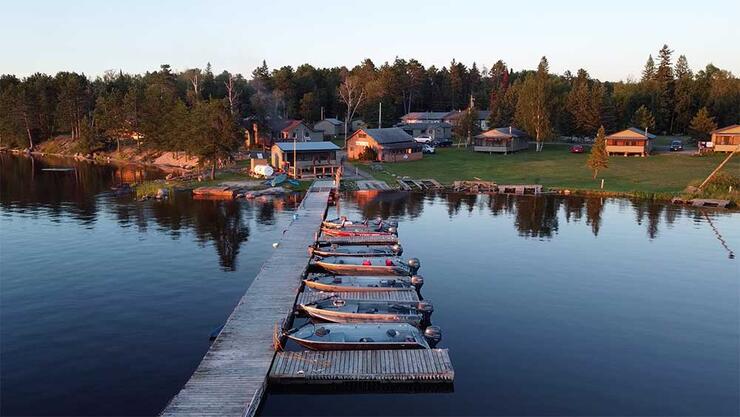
(330, 127)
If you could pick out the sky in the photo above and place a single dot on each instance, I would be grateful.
(611, 40)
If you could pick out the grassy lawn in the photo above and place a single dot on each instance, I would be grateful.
(556, 167)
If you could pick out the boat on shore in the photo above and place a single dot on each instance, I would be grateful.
(332, 249)
(340, 283)
(349, 265)
(339, 310)
(364, 336)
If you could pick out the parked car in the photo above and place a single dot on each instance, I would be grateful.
(427, 149)
(676, 145)
(423, 139)
(442, 143)
(576, 149)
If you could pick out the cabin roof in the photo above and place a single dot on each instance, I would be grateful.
(424, 125)
(332, 120)
(388, 135)
(631, 133)
(426, 115)
(307, 146)
(454, 115)
(731, 129)
(503, 133)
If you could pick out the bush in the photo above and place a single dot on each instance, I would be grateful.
(368, 154)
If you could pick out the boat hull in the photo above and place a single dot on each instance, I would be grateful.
(320, 286)
(350, 269)
(317, 345)
(346, 317)
(347, 233)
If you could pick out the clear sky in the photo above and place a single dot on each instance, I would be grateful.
(611, 39)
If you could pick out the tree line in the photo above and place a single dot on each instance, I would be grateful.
(199, 112)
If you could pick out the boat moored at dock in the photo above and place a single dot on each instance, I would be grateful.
(339, 283)
(339, 310)
(364, 336)
(332, 249)
(347, 265)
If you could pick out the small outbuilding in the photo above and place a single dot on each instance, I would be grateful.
(632, 141)
(390, 144)
(330, 127)
(306, 159)
(501, 140)
(726, 139)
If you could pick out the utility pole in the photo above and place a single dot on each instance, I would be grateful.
(322, 112)
(380, 115)
(295, 160)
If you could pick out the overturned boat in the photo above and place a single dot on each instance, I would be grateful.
(365, 336)
(340, 283)
(348, 265)
(332, 249)
(339, 310)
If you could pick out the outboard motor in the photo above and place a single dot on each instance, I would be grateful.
(397, 249)
(433, 334)
(414, 265)
(426, 308)
(417, 281)
(393, 230)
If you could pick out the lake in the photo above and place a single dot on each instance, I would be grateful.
(549, 305)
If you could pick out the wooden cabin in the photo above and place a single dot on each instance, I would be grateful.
(632, 141)
(390, 144)
(501, 140)
(726, 139)
(330, 127)
(306, 159)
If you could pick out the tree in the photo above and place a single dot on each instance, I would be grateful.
(702, 124)
(643, 119)
(665, 91)
(533, 110)
(467, 125)
(352, 94)
(648, 73)
(584, 104)
(598, 158)
(214, 136)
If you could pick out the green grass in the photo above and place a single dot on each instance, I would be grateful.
(557, 168)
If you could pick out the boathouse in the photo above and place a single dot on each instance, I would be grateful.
(385, 145)
(501, 140)
(632, 141)
(726, 139)
(306, 159)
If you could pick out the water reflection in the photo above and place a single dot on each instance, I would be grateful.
(534, 217)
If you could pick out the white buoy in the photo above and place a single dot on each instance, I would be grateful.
(275, 245)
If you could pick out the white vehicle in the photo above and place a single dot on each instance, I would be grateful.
(427, 149)
(423, 139)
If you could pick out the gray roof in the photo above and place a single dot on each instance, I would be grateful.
(332, 120)
(426, 125)
(454, 115)
(426, 115)
(389, 135)
(503, 132)
(642, 132)
(308, 146)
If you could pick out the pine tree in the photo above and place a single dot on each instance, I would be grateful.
(702, 124)
(643, 119)
(648, 73)
(598, 158)
(665, 90)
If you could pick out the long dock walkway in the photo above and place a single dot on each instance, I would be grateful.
(231, 378)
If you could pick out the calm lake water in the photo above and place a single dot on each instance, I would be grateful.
(549, 306)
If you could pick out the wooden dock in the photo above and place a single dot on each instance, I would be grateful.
(231, 378)
(309, 296)
(347, 366)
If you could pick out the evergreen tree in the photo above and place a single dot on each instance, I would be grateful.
(702, 124)
(467, 125)
(598, 158)
(648, 73)
(643, 119)
(683, 95)
(665, 91)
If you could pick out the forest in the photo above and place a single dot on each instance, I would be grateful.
(200, 112)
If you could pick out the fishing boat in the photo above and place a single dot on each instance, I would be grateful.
(357, 231)
(365, 336)
(339, 310)
(343, 221)
(349, 265)
(340, 283)
(332, 249)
